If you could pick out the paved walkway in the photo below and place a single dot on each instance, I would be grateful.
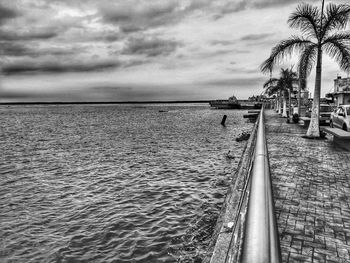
(311, 181)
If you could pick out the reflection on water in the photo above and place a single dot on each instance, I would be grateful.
(113, 183)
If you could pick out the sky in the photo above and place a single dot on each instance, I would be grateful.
(142, 50)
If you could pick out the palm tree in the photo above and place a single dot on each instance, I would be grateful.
(321, 35)
(271, 88)
(282, 86)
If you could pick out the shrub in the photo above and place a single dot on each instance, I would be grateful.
(295, 117)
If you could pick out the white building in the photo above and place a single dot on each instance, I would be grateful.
(341, 91)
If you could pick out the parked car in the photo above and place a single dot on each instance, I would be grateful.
(341, 118)
(325, 114)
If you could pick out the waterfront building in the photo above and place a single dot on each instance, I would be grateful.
(341, 92)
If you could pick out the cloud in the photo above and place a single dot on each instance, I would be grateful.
(232, 6)
(150, 47)
(223, 42)
(136, 15)
(242, 82)
(7, 13)
(25, 67)
(254, 37)
(168, 41)
(242, 70)
(41, 33)
(19, 49)
(104, 36)
(14, 49)
(129, 28)
(228, 7)
(269, 3)
(139, 15)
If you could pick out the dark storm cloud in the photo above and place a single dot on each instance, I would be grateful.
(136, 15)
(132, 16)
(134, 63)
(39, 33)
(107, 37)
(14, 49)
(19, 49)
(232, 7)
(7, 13)
(25, 67)
(150, 47)
(131, 28)
(254, 37)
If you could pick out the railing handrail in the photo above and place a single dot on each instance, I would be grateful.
(261, 241)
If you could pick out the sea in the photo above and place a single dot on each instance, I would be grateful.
(114, 183)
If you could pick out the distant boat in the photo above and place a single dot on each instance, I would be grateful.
(231, 103)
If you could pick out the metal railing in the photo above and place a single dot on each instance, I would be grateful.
(253, 235)
(260, 239)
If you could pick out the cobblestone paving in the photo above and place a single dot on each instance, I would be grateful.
(311, 185)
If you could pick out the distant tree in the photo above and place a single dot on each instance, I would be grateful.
(271, 88)
(321, 31)
(282, 87)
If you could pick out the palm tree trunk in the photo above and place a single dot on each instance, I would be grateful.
(299, 95)
(314, 127)
(279, 103)
(290, 103)
(302, 86)
(284, 113)
(276, 104)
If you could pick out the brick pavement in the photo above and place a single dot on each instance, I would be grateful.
(311, 185)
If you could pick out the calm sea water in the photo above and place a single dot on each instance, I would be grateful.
(113, 183)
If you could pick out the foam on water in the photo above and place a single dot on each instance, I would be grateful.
(113, 183)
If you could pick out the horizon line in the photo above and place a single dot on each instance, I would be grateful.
(103, 102)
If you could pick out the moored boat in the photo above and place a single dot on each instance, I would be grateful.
(231, 103)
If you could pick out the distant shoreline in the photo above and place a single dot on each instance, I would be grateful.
(103, 102)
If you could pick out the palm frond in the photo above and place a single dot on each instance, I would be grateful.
(282, 50)
(336, 17)
(289, 79)
(306, 18)
(271, 90)
(339, 36)
(340, 52)
(270, 82)
(307, 61)
(302, 83)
